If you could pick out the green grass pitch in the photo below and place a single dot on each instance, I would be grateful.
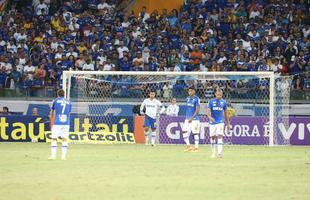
(162, 172)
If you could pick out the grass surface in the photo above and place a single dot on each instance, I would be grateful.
(162, 172)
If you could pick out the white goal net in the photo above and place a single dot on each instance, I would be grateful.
(258, 102)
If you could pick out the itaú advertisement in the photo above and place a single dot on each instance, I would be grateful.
(244, 130)
(83, 129)
(22, 129)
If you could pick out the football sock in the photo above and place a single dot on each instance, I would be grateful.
(213, 145)
(53, 148)
(219, 146)
(196, 138)
(153, 134)
(64, 149)
(146, 134)
(186, 138)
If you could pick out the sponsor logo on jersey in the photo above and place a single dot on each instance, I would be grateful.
(152, 106)
(217, 108)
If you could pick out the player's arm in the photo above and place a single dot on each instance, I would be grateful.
(52, 114)
(142, 107)
(209, 115)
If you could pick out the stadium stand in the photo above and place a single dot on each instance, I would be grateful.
(41, 38)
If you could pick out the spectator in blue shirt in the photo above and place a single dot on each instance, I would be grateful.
(125, 65)
(3, 78)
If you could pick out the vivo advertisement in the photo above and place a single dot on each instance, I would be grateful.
(244, 130)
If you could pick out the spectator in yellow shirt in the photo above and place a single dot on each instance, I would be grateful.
(81, 47)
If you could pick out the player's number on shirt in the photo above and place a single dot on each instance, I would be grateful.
(63, 105)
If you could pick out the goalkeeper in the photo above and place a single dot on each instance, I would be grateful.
(151, 106)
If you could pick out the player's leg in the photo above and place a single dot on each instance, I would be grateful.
(64, 147)
(212, 129)
(146, 134)
(153, 131)
(55, 135)
(220, 133)
(153, 136)
(219, 145)
(195, 128)
(186, 133)
(53, 149)
(146, 129)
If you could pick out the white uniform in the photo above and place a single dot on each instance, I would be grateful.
(216, 129)
(60, 131)
(193, 127)
(173, 110)
(152, 107)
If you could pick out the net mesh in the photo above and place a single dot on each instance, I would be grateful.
(99, 97)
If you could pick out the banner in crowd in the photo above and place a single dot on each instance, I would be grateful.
(83, 129)
(244, 130)
(3, 4)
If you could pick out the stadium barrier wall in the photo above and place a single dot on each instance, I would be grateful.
(22, 128)
(125, 108)
(129, 130)
(244, 130)
(82, 129)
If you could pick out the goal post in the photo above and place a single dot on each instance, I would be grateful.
(257, 89)
(271, 108)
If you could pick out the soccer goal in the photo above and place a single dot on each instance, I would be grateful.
(258, 101)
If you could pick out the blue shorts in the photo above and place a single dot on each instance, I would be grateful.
(149, 122)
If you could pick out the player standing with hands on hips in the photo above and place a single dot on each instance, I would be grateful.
(151, 106)
(192, 123)
(217, 114)
(61, 108)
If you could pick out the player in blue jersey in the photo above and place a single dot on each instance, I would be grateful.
(192, 123)
(218, 116)
(61, 108)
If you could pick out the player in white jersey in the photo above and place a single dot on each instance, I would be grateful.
(217, 114)
(60, 112)
(173, 108)
(151, 106)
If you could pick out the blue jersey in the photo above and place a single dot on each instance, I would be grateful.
(62, 109)
(191, 104)
(217, 108)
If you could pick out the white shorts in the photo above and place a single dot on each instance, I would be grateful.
(60, 131)
(216, 129)
(194, 126)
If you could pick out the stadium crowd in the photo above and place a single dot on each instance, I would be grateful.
(40, 39)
